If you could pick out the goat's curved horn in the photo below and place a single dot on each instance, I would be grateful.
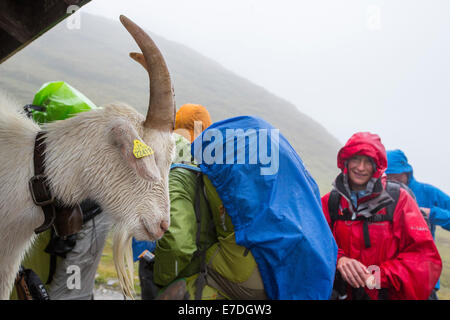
(160, 112)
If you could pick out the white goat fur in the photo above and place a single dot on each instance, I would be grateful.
(83, 160)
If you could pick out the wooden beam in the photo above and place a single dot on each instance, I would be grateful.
(26, 20)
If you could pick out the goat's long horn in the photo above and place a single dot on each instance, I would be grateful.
(160, 112)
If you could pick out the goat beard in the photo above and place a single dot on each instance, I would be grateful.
(123, 260)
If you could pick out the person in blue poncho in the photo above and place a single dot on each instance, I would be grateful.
(274, 206)
(262, 231)
(434, 202)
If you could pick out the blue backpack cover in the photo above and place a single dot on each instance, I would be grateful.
(274, 205)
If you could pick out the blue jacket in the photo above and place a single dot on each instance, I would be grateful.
(140, 246)
(427, 196)
(274, 205)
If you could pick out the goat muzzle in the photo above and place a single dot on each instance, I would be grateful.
(164, 226)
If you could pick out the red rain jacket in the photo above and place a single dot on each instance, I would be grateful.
(403, 249)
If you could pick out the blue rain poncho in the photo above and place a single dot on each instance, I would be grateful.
(274, 205)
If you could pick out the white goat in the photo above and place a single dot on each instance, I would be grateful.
(91, 156)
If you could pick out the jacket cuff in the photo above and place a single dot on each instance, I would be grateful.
(340, 254)
(432, 214)
(384, 282)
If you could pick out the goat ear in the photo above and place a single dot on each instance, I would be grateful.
(125, 137)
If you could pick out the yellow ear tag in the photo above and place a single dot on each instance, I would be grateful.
(141, 150)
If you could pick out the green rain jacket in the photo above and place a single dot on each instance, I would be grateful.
(175, 253)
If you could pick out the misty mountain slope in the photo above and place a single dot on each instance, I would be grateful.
(94, 59)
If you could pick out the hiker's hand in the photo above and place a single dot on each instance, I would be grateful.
(427, 211)
(353, 272)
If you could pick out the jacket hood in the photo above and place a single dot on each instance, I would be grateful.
(397, 162)
(366, 144)
(188, 115)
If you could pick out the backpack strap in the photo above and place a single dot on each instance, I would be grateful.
(333, 208)
(200, 282)
(29, 108)
(394, 191)
(333, 205)
(186, 166)
(201, 246)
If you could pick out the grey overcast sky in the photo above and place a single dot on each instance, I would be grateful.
(353, 65)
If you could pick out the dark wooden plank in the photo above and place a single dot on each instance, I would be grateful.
(22, 21)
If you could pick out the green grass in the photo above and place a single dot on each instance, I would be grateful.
(443, 245)
(106, 270)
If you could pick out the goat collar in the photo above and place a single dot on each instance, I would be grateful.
(66, 220)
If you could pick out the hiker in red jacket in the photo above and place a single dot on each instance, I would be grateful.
(386, 250)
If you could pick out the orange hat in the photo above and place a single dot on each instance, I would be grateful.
(190, 113)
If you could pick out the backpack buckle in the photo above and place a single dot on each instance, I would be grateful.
(40, 192)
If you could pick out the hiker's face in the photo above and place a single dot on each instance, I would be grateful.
(360, 170)
(400, 177)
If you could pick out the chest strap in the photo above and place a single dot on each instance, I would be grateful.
(333, 209)
(40, 192)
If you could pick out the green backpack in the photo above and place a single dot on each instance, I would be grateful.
(57, 100)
